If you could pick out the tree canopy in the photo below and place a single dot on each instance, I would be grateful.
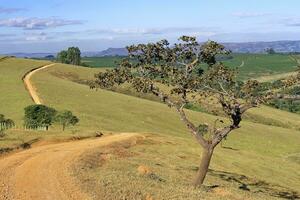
(70, 56)
(6, 123)
(192, 75)
(66, 118)
(39, 116)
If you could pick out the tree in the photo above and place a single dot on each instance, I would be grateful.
(270, 51)
(71, 56)
(74, 55)
(66, 118)
(155, 65)
(63, 57)
(39, 116)
(6, 123)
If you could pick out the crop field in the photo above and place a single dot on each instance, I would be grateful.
(107, 61)
(254, 65)
(269, 67)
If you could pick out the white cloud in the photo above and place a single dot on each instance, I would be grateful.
(197, 31)
(36, 36)
(292, 21)
(10, 10)
(37, 23)
(250, 14)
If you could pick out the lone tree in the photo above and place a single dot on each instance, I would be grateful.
(151, 66)
(270, 51)
(66, 118)
(39, 116)
(71, 56)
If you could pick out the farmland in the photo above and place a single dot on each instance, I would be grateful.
(269, 67)
(107, 61)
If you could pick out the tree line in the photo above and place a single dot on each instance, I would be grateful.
(41, 117)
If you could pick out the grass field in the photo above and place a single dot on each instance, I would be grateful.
(255, 65)
(253, 149)
(258, 157)
(269, 67)
(14, 96)
(107, 61)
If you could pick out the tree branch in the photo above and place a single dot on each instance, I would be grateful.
(221, 134)
(192, 127)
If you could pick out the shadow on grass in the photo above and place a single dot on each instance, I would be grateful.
(256, 186)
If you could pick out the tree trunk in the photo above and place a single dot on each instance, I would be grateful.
(203, 168)
(63, 127)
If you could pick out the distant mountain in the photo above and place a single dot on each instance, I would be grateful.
(31, 55)
(249, 47)
(114, 52)
(260, 47)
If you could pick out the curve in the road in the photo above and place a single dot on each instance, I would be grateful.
(43, 173)
(29, 86)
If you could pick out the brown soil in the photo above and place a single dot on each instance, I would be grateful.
(43, 172)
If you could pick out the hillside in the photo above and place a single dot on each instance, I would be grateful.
(241, 169)
(12, 71)
(108, 111)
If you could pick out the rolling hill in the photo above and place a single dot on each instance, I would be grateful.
(258, 161)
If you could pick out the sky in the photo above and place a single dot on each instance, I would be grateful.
(94, 25)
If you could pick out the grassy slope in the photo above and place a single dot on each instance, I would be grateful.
(264, 152)
(14, 96)
(170, 152)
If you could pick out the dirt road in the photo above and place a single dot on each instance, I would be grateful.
(30, 87)
(42, 173)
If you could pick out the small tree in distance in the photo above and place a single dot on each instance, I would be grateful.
(70, 56)
(153, 67)
(39, 116)
(270, 51)
(66, 118)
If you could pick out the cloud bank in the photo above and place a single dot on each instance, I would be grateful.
(11, 10)
(37, 23)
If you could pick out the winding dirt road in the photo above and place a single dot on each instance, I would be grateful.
(42, 173)
(31, 89)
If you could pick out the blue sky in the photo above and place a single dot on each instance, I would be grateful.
(93, 25)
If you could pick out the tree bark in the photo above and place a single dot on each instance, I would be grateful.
(203, 168)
